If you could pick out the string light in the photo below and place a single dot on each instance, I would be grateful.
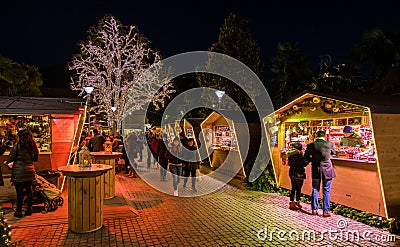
(117, 67)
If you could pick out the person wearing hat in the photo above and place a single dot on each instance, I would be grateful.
(297, 174)
(351, 138)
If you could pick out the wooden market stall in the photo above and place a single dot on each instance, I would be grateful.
(53, 122)
(367, 176)
(224, 136)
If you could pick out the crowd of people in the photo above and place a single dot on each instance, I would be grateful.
(179, 156)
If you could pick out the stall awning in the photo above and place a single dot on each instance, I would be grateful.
(39, 105)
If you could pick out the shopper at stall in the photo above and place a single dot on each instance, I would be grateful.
(351, 138)
(162, 151)
(297, 174)
(175, 163)
(2, 150)
(23, 173)
(191, 165)
(95, 144)
(318, 153)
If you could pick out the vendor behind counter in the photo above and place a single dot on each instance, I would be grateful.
(351, 138)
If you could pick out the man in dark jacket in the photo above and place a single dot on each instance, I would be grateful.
(95, 144)
(161, 155)
(318, 152)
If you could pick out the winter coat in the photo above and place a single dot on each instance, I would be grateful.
(318, 152)
(173, 155)
(23, 169)
(296, 163)
(162, 151)
(190, 155)
(352, 141)
(95, 144)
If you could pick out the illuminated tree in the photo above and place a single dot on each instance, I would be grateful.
(117, 62)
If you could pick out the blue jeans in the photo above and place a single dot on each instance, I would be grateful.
(326, 194)
(176, 171)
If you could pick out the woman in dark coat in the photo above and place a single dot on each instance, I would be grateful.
(297, 174)
(191, 165)
(174, 156)
(23, 173)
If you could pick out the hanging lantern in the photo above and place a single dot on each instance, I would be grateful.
(295, 107)
(316, 100)
(108, 146)
(328, 105)
(313, 108)
(335, 109)
(85, 159)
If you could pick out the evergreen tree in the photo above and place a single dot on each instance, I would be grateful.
(291, 70)
(377, 51)
(345, 78)
(19, 79)
(235, 40)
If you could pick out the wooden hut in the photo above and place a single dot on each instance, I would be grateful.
(225, 135)
(367, 176)
(54, 122)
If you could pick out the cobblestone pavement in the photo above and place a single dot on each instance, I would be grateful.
(142, 216)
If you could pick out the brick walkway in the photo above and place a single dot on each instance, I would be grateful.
(142, 216)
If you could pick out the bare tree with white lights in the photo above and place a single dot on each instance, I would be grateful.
(124, 72)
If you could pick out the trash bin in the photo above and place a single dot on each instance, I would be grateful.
(50, 175)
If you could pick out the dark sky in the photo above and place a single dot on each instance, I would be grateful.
(44, 33)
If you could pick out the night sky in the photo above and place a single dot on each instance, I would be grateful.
(44, 33)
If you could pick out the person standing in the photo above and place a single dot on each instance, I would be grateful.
(95, 144)
(351, 138)
(297, 174)
(318, 153)
(162, 151)
(23, 173)
(2, 150)
(190, 164)
(175, 163)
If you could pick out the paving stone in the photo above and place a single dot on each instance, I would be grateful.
(232, 216)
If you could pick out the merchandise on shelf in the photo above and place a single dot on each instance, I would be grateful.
(39, 125)
(304, 132)
(224, 138)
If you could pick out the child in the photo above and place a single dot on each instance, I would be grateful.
(296, 173)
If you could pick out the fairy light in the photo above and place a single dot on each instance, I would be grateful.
(117, 68)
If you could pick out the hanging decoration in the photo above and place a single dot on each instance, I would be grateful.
(316, 100)
(335, 109)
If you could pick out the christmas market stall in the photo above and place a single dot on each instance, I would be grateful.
(367, 167)
(52, 121)
(223, 132)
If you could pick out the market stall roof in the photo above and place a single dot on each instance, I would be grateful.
(251, 116)
(377, 103)
(39, 105)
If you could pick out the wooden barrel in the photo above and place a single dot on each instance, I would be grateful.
(85, 203)
(109, 177)
(85, 196)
